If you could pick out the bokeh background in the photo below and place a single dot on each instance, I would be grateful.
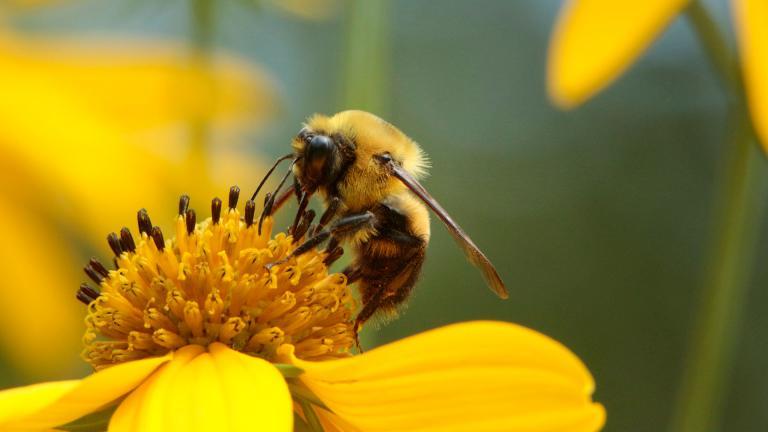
(599, 219)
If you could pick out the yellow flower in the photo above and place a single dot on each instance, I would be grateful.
(594, 41)
(223, 328)
(79, 119)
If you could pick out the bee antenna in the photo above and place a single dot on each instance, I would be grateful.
(269, 173)
(271, 201)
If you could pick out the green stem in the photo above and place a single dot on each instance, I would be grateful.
(201, 38)
(737, 221)
(367, 57)
(723, 58)
(367, 68)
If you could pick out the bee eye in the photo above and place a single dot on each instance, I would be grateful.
(384, 158)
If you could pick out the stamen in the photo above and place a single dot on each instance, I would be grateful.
(145, 224)
(234, 195)
(126, 240)
(215, 210)
(250, 212)
(157, 236)
(183, 204)
(86, 294)
(191, 221)
(83, 298)
(93, 274)
(99, 267)
(114, 244)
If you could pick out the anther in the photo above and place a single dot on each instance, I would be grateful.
(157, 236)
(93, 274)
(234, 195)
(86, 294)
(183, 204)
(114, 244)
(126, 240)
(303, 201)
(91, 292)
(84, 299)
(145, 224)
(216, 210)
(191, 221)
(99, 267)
(250, 212)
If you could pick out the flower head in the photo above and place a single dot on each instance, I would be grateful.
(225, 327)
(222, 280)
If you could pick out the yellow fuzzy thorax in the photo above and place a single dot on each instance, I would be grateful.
(213, 283)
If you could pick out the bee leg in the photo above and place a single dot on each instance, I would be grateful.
(344, 225)
(303, 201)
(329, 213)
(353, 273)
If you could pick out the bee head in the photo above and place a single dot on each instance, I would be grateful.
(320, 158)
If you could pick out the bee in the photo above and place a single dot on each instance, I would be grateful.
(367, 171)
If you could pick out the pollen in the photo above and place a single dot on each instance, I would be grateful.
(226, 279)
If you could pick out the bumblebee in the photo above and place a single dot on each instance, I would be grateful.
(366, 170)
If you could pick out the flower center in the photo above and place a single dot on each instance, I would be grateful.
(217, 281)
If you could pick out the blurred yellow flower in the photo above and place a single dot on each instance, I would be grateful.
(594, 41)
(85, 126)
(222, 328)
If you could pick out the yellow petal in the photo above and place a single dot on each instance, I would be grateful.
(751, 18)
(594, 41)
(473, 376)
(60, 403)
(40, 323)
(221, 390)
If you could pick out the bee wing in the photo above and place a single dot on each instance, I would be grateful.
(472, 252)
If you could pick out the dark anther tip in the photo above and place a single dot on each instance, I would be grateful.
(191, 221)
(216, 210)
(234, 195)
(183, 204)
(267, 198)
(92, 292)
(86, 294)
(157, 236)
(114, 244)
(98, 266)
(145, 224)
(126, 240)
(250, 212)
(83, 298)
(93, 274)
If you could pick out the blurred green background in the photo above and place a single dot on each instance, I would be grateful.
(598, 219)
